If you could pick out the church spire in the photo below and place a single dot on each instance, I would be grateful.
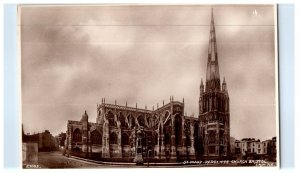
(212, 73)
(201, 87)
(224, 86)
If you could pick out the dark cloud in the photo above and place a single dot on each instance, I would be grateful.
(72, 56)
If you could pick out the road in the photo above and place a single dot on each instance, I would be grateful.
(57, 160)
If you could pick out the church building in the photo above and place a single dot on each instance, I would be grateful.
(164, 133)
(214, 114)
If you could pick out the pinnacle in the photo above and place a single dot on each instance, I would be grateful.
(224, 80)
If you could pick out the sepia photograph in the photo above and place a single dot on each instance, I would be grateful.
(146, 86)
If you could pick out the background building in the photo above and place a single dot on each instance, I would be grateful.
(61, 139)
(45, 140)
(250, 148)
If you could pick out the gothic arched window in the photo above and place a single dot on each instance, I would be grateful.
(132, 121)
(167, 139)
(188, 140)
(77, 137)
(111, 118)
(178, 128)
(211, 137)
(141, 120)
(149, 121)
(122, 119)
(96, 137)
(113, 138)
(221, 137)
(155, 139)
(125, 139)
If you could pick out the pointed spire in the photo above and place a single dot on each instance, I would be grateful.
(201, 87)
(163, 102)
(136, 105)
(126, 103)
(85, 114)
(212, 72)
(212, 49)
(115, 102)
(224, 87)
(183, 100)
(224, 82)
(146, 107)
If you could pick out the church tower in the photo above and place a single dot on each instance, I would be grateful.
(214, 114)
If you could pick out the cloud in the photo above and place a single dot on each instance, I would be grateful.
(73, 56)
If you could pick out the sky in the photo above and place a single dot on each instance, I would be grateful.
(73, 56)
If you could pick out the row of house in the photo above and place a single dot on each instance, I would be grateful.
(250, 148)
(45, 140)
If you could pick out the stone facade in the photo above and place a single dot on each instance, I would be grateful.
(214, 114)
(167, 133)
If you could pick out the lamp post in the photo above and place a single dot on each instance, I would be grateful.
(139, 148)
(149, 147)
